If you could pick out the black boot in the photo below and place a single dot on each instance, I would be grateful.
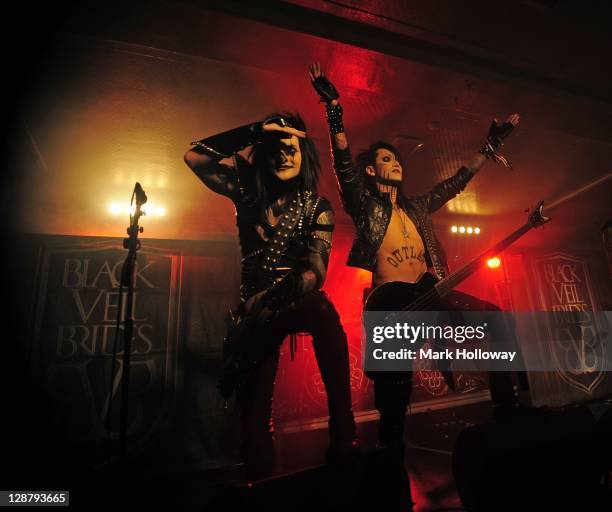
(388, 481)
(386, 485)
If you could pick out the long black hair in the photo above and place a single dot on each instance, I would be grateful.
(265, 184)
(367, 157)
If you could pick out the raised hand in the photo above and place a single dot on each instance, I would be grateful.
(498, 132)
(278, 125)
(513, 119)
(325, 89)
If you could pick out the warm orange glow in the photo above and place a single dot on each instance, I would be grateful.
(363, 276)
(114, 209)
(152, 210)
(494, 262)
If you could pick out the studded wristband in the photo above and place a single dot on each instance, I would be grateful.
(334, 118)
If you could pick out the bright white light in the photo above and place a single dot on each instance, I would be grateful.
(454, 229)
(126, 209)
(494, 262)
(477, 230)
(462, 229)
(469, 230)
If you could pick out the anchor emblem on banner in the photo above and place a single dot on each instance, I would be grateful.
(577, 342)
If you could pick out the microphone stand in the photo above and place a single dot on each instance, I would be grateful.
(128, 280)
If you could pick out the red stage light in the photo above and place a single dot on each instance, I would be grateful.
(494, 262)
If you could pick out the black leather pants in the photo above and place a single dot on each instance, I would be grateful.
(316, 315)
(392, 390)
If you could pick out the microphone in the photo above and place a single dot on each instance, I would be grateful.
(141, 197)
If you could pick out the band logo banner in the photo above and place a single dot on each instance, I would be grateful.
(72, 344)
(564, 285)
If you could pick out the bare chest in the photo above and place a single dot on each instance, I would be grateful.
(401, 255)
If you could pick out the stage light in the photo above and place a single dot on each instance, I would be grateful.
(494, 262)
(148, 209)
(114, 209)
(465, 229)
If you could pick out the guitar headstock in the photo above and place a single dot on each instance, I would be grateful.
(536, 217)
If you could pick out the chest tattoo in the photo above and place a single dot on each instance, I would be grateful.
(405, 254)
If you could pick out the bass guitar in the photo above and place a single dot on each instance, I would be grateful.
(428, 290)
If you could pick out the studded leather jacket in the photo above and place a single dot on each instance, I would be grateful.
(301, 242)
(289, 259)
(371, 213)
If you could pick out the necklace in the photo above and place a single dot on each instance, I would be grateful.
(401, 214)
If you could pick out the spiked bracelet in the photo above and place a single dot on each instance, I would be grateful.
(334, 118)
(495, 139)
(488, 151)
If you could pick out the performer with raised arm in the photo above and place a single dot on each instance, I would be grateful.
(395, 241)
(285, 231)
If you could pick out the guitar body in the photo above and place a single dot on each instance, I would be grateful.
(398, 295)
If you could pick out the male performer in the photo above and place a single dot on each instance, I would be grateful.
(285, 231)
(396, 242)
